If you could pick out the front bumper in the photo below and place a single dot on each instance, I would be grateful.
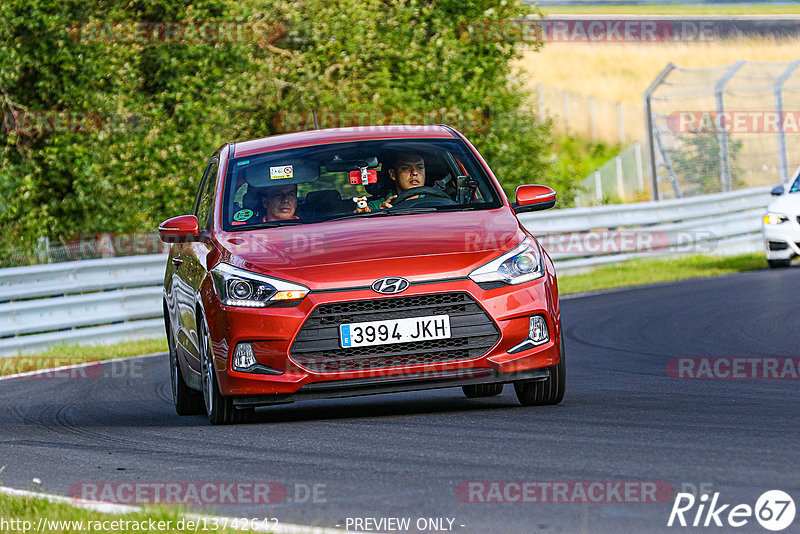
(782, 241)
(273, 332)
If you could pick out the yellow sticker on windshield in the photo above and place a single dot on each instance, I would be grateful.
(280, 173)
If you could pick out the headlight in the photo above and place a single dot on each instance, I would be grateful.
(522, 264)
(237, 287)
(775, 218)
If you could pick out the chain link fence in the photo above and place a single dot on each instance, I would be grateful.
(717, 129)
(621, 179)
(590, 117)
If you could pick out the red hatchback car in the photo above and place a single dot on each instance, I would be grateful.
(355, 261)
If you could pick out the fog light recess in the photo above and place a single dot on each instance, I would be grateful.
(538, 332)
(243, 357)
(244, 361)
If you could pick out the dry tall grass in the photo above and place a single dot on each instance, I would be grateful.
(621, 72)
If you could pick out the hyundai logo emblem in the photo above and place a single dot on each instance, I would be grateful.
(390, 285)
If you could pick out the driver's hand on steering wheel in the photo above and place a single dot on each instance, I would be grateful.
(386, 204)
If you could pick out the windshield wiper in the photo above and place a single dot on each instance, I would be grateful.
(383, 213)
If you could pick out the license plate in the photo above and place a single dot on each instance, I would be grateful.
(394, 331)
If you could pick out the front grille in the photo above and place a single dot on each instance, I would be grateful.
(778, 245)
(317, 344)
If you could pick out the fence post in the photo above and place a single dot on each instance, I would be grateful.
(620, 178)
(540, 93)
(778, 90)
(650, 125)
(722, 137)
(598, 187)
(637, 152)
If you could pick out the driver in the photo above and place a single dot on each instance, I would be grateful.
(279, 202)
(407, 171)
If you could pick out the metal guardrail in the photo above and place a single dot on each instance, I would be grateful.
(91, 301)
(722, 223)
(118, 299)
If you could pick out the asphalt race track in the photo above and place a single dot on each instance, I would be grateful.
(405, 455)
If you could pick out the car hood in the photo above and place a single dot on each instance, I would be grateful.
(788, 203)
(356, 252)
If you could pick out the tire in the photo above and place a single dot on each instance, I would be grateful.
(220, 410)
(548, 391)
(186, 400)
(474, 391)
(779, 264)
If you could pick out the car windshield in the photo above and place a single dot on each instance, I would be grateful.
(796, 185)
(351, 180)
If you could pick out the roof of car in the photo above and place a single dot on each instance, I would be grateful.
(340, 135)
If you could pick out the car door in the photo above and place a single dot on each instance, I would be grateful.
(192, 267)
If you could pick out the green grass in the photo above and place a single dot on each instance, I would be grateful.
(649, 271)
(675, 9)
(32, 509)
(60, 355)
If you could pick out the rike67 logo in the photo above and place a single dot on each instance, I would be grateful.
(774, 510)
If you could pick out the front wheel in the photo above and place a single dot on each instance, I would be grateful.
(547, 391)
(220, 410)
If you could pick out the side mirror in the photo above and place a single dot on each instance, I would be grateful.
(181, 229)
(777, 191)
(534, 198)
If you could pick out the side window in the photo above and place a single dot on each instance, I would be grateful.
(205, 199)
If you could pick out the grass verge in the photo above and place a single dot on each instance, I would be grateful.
(60, 355)
(650, 271)
(27, 514)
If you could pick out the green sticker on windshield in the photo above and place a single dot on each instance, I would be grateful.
(243, 215)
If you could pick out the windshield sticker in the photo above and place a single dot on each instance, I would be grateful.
(245, 162)
(243, 215)
(281, 173)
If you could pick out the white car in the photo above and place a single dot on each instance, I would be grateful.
(781, 225)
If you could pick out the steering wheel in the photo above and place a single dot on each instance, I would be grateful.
(422, 190)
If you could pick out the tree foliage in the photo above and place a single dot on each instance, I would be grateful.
(166, 106)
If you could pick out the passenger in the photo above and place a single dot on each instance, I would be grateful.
(280, 202)
(407, 171)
